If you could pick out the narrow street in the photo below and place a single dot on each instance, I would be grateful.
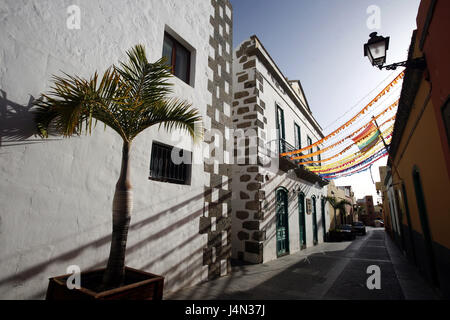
(326, 271)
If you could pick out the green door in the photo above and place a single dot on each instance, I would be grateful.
(423, 216)
(408, 219)
(324, 228)
(314, 221)
(282, 222)
(302, 220)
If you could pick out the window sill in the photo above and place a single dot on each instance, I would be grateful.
(169, 181)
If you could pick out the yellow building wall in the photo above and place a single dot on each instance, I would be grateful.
(424, 151)
(339, 194)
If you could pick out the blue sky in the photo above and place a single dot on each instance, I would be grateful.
(320, 43)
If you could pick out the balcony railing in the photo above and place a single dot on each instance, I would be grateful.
(278, 146)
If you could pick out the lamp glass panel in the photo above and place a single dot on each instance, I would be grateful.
(377, 52)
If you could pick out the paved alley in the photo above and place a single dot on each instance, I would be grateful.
(327, 271)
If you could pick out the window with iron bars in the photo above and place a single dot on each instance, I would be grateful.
(162, 168)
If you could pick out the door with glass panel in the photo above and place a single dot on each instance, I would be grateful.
(322, 206)
(282, 216)
(302, 220)
(314, 221)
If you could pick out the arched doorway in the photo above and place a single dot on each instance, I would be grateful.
(302, 220)
(282, 216)
(314, 220)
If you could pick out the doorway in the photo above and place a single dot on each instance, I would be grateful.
(302, 220)
(282, 222)
(423, 216)
(314, 220)
(324, 228)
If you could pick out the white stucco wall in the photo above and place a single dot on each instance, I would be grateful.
(56, 195)
(309, 190)
(273, 96)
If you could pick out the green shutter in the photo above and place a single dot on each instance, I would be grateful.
(302, 220)
(282, 217)
(281, 129)
(298, 136)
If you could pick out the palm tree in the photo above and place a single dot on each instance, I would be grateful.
(337, 204)
(129, 98)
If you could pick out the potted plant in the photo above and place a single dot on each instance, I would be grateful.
(129, 98)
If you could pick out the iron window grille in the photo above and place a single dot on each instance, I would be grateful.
(162, 168)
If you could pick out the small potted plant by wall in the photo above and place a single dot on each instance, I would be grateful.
(129, 98)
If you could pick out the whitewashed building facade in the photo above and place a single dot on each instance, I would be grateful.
(278, 206)
(56, 194)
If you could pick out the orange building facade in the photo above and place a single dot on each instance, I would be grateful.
(419, 162)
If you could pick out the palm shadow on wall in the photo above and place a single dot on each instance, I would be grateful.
(17, 124)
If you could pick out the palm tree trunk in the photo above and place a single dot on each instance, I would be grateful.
(122, 207)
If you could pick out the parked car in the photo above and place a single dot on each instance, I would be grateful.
(379, 222)
(342, 233)
(347, 232)
(359, 228)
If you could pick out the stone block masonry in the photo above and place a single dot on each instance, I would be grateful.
(248, 174)
(216, 220)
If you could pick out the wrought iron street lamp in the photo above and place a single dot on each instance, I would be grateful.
(376, 50)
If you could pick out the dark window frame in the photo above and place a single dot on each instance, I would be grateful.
(309, 142)
(168, 171)
(176, 45)
(297, 135)
(281, 130)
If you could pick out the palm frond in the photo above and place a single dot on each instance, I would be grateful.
(331, 200)
(74, 102)
(172, 114)
(147, 81)
(129, 99)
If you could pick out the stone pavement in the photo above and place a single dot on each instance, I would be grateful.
(327, 271)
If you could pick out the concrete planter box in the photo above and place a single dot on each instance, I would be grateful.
(139, 285)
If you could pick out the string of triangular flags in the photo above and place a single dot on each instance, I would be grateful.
(363, 153)
(370, 142)
(352, 120)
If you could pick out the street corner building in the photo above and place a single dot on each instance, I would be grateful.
(348, 215)
(56, 195)
(278, 206)
(417, 182)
